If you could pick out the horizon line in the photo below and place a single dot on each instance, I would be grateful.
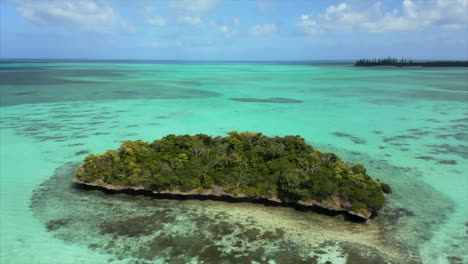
(223, 60)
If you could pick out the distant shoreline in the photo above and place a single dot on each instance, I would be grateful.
(393, 62)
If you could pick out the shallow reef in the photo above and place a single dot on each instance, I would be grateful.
(139, 228)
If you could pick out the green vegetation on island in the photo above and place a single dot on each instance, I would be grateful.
(408, 62)
(247, 164)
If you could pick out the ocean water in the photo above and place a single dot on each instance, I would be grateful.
(408, 126)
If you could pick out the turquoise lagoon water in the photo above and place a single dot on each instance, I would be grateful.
(407, 125)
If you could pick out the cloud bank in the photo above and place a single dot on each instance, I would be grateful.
(263, 30)
(377, 18)
(87, 15)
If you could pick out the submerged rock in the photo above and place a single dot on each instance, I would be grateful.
(277, 100)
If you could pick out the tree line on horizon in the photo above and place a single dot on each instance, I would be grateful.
(389, 61)
(383, 61)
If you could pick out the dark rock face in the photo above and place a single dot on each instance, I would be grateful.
(309, 206)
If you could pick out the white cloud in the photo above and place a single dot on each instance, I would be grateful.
(308, 24)
(156, 20)
(152, 19)
(195, 6)
(236, 21)
(263, 29)
(87, 15)
(166, 44)
(226, 31)
(192, 20)
(265, 5)
(376, 18)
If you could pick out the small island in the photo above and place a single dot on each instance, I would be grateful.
(241, 165)
(408, 62)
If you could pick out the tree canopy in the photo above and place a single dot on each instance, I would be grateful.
(248, 163)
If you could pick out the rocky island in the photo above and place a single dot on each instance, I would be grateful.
(240, 165)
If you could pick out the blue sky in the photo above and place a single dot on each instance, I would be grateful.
(234, 29)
